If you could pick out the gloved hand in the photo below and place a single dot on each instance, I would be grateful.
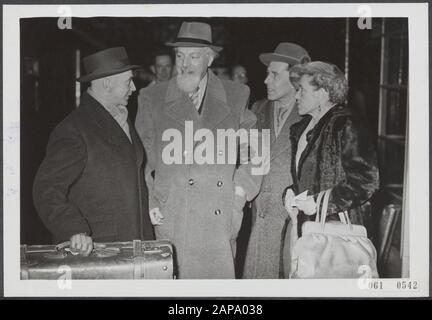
(308, 206)
(290, 204)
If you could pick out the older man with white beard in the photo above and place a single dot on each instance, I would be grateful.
(198, 206)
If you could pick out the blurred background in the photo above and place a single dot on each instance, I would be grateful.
(374, 59)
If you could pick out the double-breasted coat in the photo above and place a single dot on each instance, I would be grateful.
(92, 180)
(202, 215)
(264, 248)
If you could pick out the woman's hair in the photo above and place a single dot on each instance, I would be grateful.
(324, 75)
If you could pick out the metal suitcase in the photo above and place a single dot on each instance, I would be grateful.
(115, 260)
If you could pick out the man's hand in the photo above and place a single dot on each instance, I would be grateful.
(81, 243)
(308, 206)
(156, 217)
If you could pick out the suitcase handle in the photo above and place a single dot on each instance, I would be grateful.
(99, 249)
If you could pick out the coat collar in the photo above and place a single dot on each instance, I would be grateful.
(298, 128)
(281, 142)
(103, 120)
(266, 121)
(214, 105)
(214, 88)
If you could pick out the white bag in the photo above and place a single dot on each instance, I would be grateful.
(331, 250)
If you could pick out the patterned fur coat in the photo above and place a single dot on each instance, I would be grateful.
(339, 155)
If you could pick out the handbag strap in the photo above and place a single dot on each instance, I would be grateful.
(343, 216)
(318, 203)
(324, 206)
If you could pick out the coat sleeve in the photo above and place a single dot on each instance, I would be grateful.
(247, 175)
(359, 163)
(64, 163)
(145, 127)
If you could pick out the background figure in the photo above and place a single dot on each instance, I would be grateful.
(162, 67)
(90, 186)
(197, 206)
(276, 113)
(331, 149)
(239, 74)
(142, 78)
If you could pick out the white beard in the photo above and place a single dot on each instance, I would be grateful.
(188, 82)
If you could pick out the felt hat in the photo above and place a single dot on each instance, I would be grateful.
(106, 63)
(287, 52)
(194, 34)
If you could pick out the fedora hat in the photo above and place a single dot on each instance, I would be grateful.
(287, 52)
(106, 63)
(194, 34)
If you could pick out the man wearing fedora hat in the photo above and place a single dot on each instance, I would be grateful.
(90, 186)
(277, 113)
(197, 206)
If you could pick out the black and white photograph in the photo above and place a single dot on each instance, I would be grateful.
(245, 147)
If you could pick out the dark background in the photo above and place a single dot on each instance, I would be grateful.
(48, 94)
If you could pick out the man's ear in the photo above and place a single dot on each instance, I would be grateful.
(210, 60)
(106, 84)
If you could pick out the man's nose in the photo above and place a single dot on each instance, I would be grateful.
(185, 62)
(267, 79)
(132, 86)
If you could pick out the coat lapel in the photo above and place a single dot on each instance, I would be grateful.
(313, 136)
(281, 143)
(136, 142)
(178, 105)
(295, 132)
(107, 124)
(264, 116)
(214, 108)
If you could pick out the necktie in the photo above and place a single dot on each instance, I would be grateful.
(281, 112)
(195, 99)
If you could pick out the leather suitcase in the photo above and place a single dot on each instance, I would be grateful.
(115, 260)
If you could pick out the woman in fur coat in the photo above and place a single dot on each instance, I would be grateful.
(331, 149)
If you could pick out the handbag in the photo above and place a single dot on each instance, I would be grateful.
(334, 249)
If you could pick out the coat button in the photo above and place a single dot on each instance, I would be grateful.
(218, 212)
(191, 181)
(220, 152)
(219, 183)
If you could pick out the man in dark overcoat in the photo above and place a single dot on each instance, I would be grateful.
(90, 186)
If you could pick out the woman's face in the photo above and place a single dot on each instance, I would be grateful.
(308, 97)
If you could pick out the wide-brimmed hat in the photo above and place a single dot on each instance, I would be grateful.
(194, 34)
(287, 52)
(106, 63)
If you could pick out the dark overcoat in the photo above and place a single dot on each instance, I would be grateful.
(92, 180)
(201, 215)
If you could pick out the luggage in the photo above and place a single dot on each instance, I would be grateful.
(116, 260)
